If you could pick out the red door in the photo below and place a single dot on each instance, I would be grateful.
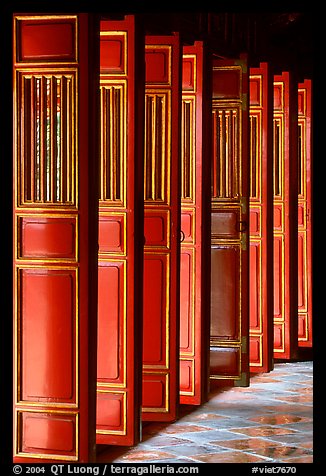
(229, 350)
(285, 217)
(305, 214)
(55, 237)
(195, 225)
(161, 228)
(261, 218)
(120, 233)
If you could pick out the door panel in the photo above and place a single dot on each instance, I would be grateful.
(285, 217)
(120, 258)
(161, 228)
(195, 225)
(229, 334)
(305, 214)
(261, 219)
(55, 237)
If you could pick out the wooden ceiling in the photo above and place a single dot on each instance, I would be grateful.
(285, 38)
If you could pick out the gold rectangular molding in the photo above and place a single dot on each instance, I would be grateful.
(113, 173)
(46, 154)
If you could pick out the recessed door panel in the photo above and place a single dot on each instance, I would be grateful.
(305, 213)
(285, 202)
(55, 237)
(229, 329)
(120, 256)
(161, 228)
(261, 218)
(195, 224)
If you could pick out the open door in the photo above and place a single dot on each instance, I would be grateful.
(55, 237)
(261, 218)
(195, 224)
(285, 217)
(305, 214)
(120, 265)
(229, 335)
(162, 228)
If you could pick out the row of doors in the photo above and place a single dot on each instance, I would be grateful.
(280, 217)
(153, 239)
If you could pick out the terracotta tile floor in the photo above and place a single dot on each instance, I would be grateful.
(270, 421)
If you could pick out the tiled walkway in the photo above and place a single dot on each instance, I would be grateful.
(270, 421)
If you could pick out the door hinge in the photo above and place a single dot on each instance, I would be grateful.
(243, 241)
(244, 344)
(244, 101)
(244, 204)
(243, 381)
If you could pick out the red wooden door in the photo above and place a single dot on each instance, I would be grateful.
(55, 237)
(161, 228)
(119, 370)
(305, 214)
(285, 217)
(229, 350)
(261, 218)
(195, 225)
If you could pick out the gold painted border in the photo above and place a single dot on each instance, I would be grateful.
(194, 57)
(260, 363)
(259, 162)
(123, 383)
(20, 73)
(282, 318)
(221, 207)
(190, 393)
(260, 79)
(169, 66)
(153, 210)
(233, 346)
(280, 120)
(122, 432)
(166, 366)
(234, 106)
(185, 354)
(108, 83)
(260, 286)
(187, 98)
(166, 94)
(282, 324)
(166, 409)
(42, 456)
(305, 316)
(109, 255)
(18, 18)
(240, 68)
(17, 339)
(280, 85)
(106, 34)
(17, 239)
